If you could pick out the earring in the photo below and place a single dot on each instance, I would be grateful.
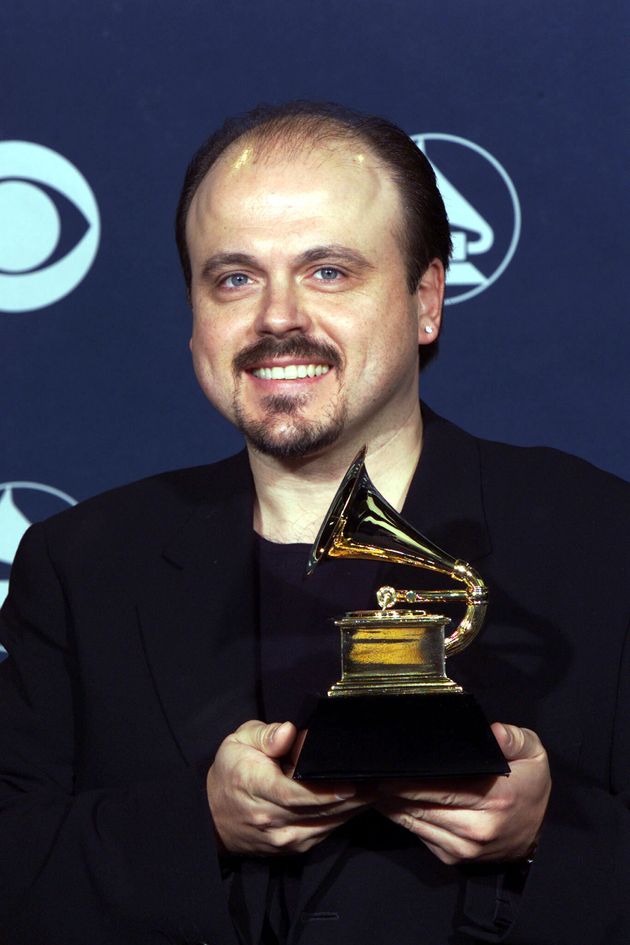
(428, 329)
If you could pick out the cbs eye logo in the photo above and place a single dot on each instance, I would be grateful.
(22, 503)
(49, 226)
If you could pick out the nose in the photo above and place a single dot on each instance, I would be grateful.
(281, 309)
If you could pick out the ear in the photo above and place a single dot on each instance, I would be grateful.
(430, 301)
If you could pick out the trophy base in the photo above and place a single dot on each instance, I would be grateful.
(442, 735)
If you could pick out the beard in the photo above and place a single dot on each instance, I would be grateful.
(284, 432)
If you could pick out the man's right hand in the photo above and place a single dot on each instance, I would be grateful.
(255, 805)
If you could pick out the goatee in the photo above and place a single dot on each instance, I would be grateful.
(298, 437)
(285, 433)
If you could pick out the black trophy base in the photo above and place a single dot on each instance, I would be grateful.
(354, 738)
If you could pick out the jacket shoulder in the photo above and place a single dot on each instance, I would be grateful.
(148, 509)
(557, 500)
(549, 473)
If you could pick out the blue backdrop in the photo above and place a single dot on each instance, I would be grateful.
(521, 106)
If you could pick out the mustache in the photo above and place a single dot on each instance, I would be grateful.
(298, 346)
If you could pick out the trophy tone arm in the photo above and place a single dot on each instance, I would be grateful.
(475, 596)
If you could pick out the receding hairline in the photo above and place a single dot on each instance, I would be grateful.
(296, 136)
(293, 135)
(290, 137)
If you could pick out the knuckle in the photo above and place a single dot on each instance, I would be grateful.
(260, 737)
(480, 833)
(243, 732)
(251, 733)
(283, 796)
(283, 837)
(503, 803)
(450, 799)
(262, 820)
(529, 735)
(408, 822)
(305, 845)
(448, 858)
(465, 850)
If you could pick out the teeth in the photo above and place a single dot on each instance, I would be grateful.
(291, 371)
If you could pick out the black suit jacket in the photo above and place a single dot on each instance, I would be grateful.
(131, 629)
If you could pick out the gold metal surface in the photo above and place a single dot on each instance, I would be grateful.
(394, 650)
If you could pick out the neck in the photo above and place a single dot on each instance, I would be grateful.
(292, 496)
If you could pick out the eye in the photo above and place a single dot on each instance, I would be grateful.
(236, 280)
(328, 274)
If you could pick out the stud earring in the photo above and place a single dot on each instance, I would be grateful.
(428, 329)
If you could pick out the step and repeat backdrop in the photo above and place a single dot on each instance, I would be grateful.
(520, 106)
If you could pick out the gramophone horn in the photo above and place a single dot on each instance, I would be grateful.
(362, 524)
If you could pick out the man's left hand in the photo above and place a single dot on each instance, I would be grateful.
(495, 818)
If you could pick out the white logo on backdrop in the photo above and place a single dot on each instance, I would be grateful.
(471, 217)
(14, 521)
(30, 227)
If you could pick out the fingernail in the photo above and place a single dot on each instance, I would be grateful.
(346, 793)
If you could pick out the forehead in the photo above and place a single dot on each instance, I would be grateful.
(331, 186)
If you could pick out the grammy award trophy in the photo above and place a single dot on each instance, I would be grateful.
(395, 712)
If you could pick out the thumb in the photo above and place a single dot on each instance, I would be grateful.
(274, 739)
(517, 743)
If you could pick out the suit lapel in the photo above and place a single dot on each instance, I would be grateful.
(198, 619)
(445, 500)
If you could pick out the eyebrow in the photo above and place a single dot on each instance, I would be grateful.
(334, 252)
(221, 260)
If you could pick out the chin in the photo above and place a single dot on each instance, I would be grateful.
(298, 442)
(285, 433)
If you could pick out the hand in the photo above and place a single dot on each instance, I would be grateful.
(487, 819)
(257, 808)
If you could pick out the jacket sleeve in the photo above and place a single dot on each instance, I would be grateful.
(576, 889)
(136, 863)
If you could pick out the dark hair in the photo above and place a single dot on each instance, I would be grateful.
(425, 232)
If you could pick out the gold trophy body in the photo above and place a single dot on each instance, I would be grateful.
(394, 712)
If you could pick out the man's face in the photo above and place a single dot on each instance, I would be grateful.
(304, 331)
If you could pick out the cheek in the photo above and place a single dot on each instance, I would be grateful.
(391, 344)
(208, 342)
(212, 364)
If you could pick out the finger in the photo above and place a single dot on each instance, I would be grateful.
(273, 739)
(447, 846)
(305, 797)
(262, 779)
(297, 838)
(474, 825)
(337, 808)
(465, 793)
(517, 743)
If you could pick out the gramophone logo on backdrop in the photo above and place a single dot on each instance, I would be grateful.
(21, 504)
(49, 226)
(483, 209)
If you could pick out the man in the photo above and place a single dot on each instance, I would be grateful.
(162, 642)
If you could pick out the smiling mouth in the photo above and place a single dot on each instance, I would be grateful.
(290, 372)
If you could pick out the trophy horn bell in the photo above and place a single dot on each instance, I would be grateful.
(362, 524)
